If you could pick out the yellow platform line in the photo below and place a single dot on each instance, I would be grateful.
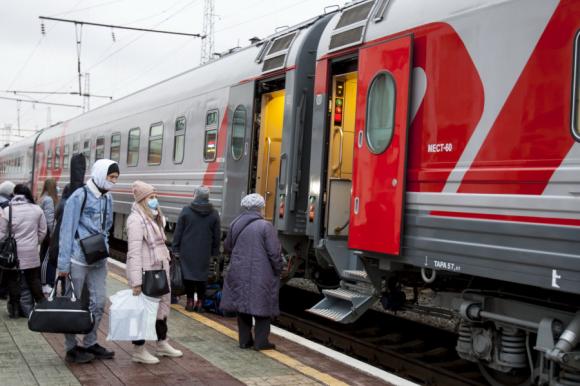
(276, 355)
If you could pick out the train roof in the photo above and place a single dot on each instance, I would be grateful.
(274, 53)
(367, 20)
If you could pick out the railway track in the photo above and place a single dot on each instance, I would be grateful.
(412, 350)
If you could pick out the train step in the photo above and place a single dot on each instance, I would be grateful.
(342, 305)
(353, 275)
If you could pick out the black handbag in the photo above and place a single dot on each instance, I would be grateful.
(155, 283)
(177, 286)
(8, 251)
(61, 314)
(94, 247)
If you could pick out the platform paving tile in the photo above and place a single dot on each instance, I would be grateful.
(223, 352)
(26, 358)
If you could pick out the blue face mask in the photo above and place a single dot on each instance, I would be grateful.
(153, 203)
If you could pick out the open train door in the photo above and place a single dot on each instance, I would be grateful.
(238, 154)
(379, 163)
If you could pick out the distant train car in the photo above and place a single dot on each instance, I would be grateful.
(445, 151)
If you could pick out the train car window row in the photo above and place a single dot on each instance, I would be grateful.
(13, 165)
(154, 152)
(133, 146)
(238, 132)
(179, 140)
(87, 150)
(100, 148)
(210, 138)
(116, 147)
(380, 121)
(575, 121)
(57, 157)
(76, 147)
(49, 159)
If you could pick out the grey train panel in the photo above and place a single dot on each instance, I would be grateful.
(542, 255)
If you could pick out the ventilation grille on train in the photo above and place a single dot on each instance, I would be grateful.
(350, 28)
(277, 51)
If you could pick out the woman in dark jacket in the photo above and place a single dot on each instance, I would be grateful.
(195, 241)
(253, 280)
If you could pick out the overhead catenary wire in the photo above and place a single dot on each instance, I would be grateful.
(37, 102)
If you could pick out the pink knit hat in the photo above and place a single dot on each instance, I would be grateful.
(141, 190)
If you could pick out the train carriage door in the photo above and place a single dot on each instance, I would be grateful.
(270, 145)
(238, 154)
(380, 146)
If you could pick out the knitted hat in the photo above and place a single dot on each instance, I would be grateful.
(7, 188)
(141, 190)
(201, 193)
(253, 202)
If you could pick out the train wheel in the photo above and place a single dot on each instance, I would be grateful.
(514, 377)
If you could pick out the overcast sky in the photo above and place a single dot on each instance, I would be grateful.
(31, 61)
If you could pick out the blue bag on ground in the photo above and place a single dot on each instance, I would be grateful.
(213, 297)
(132, 317)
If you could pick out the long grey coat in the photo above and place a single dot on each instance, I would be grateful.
(196, 239)
(253, 280)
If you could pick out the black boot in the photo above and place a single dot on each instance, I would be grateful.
(13, 310)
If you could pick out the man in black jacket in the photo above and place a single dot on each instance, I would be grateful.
(195, 241)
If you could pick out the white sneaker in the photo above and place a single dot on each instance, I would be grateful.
(141, 355)
(165, 350)
(46, 289)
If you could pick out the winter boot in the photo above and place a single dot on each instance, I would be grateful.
(165, 350)
(189, 306)
(141, 355)
(199, 306)
(13, 310)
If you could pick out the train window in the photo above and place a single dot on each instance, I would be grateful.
(238, 132)
(380, 117)
(179, 140)
(155, 144)
(133, 147)
(76, 146)
(116, 147)
(100, 148)
(210, 141)
(57, 157)
(576, 91)
(87, 150)
(65, 157)
(49, 159)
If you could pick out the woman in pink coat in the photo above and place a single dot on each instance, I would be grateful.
(147, 251)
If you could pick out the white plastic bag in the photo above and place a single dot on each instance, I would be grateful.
(132, 317)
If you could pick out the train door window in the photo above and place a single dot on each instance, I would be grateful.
(76, 147)
(100, 148)
(576, 91)
(179, 140)
(87, 150)
(210, 142)
(116, 147)
(57, 157)
(238, 132)
(155, 144)
(133, 147)
(380, 117)
(65, 157)
(49, 159)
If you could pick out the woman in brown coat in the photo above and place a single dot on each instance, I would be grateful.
(147, 251)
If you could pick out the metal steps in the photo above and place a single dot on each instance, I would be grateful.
(348, 302)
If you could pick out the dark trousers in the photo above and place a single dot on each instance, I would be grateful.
(261, 330)
(32, 276)
(160, 329)
(192, 286)
(3, 288)
(47, 271)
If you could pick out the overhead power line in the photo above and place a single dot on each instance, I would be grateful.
(15, 92)
(39, 102)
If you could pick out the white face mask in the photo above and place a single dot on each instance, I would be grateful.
(108, 185)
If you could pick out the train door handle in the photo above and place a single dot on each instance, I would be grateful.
(356, 205)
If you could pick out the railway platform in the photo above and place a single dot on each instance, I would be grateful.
(211, 357)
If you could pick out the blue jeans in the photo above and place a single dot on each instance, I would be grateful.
(95, 277)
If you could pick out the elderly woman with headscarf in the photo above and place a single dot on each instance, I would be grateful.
(195, 241)
(253, 280)
(88, 212)
(146, 251)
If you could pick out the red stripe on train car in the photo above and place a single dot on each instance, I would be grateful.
(501, 217)
(531, 135)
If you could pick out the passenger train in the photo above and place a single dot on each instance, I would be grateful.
(401, 143)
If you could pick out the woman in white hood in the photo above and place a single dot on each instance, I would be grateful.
(88, 212)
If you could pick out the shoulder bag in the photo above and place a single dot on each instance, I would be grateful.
(61, 314)
(94, 246)
(155, 283)
(8, 251)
